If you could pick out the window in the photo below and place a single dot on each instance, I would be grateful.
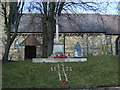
(16, 43)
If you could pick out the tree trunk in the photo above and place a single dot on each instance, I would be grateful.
(8, 45)
(51, 29)
(49, 26)
(7, 49)
(11, 11)
(48, 36)
(45, 40)
(44, 47)
(48, 40)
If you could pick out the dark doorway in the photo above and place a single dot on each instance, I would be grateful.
(118, 46)
(30, 52)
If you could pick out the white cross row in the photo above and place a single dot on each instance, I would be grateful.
(66, 69)
(63, 70)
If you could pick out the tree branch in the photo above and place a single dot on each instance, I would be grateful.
(60, 8)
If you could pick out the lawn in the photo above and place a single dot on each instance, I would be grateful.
(97, 71)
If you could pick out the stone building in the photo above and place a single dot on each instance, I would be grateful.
(97, 35)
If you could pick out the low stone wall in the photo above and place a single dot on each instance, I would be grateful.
(54, 60)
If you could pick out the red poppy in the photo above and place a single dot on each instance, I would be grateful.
(63, 82)
(61, 56)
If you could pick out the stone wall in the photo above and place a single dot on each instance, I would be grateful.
(19, 53)
(92, 44)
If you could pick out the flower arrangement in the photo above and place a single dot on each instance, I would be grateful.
(63, 82)
(60, 55)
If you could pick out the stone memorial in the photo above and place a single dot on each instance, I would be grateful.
(57, 46)
(78, 50)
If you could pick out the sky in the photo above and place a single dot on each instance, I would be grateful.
(110, 9)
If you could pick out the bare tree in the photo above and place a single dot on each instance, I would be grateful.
(11, 12)
(49, 10)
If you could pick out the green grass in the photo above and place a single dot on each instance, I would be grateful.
(97, 71)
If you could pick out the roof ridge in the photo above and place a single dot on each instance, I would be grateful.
(76, 14)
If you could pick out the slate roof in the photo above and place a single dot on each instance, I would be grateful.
(77, 23)
(30, 41)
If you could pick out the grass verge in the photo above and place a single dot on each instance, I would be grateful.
(97, 71)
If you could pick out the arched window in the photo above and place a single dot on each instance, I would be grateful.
(16, 43)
